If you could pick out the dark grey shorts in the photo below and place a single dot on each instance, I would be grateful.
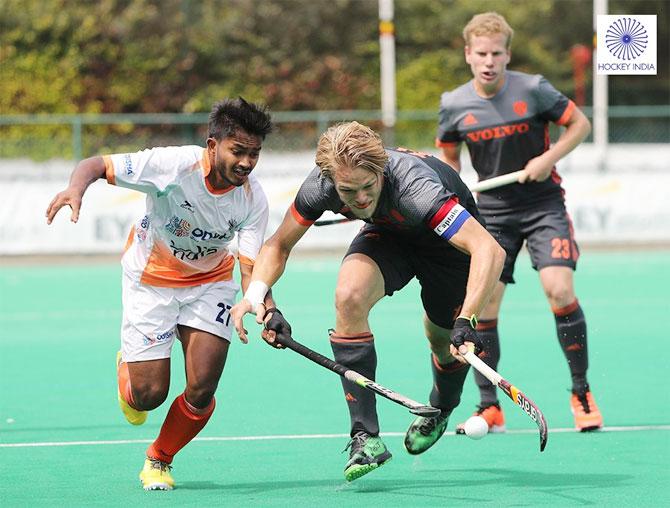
(442, 270)
(546, 229)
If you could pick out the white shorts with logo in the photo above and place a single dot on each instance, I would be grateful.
(151, 315)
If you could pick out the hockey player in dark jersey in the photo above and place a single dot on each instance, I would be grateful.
(421, 221)
(502, 116)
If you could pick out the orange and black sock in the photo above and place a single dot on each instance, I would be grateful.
(447, 383)
(357, 352)
(182, 423)
(571, 330)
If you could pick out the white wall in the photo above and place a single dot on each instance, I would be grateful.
(627, 204)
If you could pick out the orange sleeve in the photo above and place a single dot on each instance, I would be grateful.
(567, 114)
(299, 218)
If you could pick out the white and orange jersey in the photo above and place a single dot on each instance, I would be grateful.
(184, 237)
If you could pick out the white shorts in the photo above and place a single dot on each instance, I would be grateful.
(151, 315)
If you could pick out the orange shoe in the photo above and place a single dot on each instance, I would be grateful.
(586, 412)
(493, 415)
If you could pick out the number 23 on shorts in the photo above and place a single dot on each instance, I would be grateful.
(560, 248)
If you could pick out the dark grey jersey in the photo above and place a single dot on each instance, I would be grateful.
(420, 195)
(504, 132)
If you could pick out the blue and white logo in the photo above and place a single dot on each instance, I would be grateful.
(626, 44)
(626, 38)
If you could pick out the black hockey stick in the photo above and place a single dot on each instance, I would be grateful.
(353, 376)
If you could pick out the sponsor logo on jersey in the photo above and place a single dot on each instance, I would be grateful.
(470, 119)
(201, 234)
(187, 206)
(501, 131)
(185, 254)
(520, 107)
(141, 232)
(178, 227)
(128, 165)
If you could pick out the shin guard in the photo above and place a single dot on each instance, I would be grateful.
(447, 383)
(571, 331)
(357, 352)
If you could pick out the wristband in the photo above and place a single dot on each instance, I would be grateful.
(471, 319)
(256, 292)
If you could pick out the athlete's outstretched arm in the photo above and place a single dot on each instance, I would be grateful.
(486, 263)
(268, 268)
(539, 168)
(87, 171)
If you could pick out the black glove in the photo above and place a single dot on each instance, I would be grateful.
(464, 332)
(278, 324)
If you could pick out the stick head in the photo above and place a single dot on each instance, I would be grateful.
(425, 411)
(544, 430)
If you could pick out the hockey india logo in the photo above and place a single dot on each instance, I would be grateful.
(626, 38)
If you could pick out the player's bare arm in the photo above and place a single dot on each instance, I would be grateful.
(87, 171)
(245, 271)
(451, 154)
(486, 263)
(539, 168)
(267, 270)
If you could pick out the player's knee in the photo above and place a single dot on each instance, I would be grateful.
(559, 295)
(437, 338)
(351, 301)
(439, 344)
(200, 394)
(149, 396)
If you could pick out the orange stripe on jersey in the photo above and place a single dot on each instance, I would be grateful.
(246, 261)
(164, 270)
(109, 170)
(567, 114)
(129, 240)
(299, 218)
(442, 144)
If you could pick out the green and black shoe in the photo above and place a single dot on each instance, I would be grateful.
(424, 432)
(366, 453)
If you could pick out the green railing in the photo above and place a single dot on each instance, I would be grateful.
(80, 135)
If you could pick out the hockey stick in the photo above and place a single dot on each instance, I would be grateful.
(484, 185)
(513, 393)
(496, 181)
(353, 376)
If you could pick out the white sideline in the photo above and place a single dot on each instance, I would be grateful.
(632, 428)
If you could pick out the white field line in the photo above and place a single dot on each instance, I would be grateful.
(634, 428)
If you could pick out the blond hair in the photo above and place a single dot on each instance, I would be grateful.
(488, 23)
(350, 145)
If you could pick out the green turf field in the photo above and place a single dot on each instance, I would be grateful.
(281, 421)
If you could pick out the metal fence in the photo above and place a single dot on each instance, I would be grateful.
(72, 136)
